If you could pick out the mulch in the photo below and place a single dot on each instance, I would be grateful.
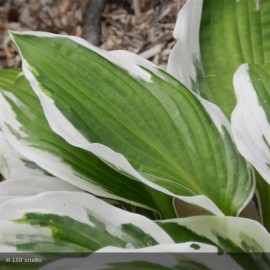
(141, 26)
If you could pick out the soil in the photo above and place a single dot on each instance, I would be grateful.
(144, 27)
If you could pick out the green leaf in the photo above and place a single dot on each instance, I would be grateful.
(138, 119)
(245, 240)
(73, 222)
(263, 196)
(8, 77)
(213, 38)
(251, 116)
(27, 129)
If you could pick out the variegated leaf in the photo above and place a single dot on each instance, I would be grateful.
(231, 235)
(163, 257)
(73, 222)
(13, 164)
(213, 38)
(251, 116)
(28, 131)
(138, 119)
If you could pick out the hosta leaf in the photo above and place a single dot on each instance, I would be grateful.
(32, 185)
(213, 38)
(137, 118)
(73, 222)
(13, 164)
(28, 131)
(263, 196)
(162, 257)
(250, 124)
(8, 77)
(251, 117)
(229, 234)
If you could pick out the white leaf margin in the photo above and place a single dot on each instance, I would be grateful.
(250, 124)
(13, 164)
(187, 48)
(66, 130)
(32, 185)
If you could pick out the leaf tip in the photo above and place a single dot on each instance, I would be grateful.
(13, 33)
(15, 36)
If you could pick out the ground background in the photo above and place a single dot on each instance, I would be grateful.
(141, 26)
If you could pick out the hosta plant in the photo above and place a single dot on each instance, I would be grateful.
(104, 152)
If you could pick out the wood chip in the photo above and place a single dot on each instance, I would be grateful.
(143, 27)
(151, 52)
(136, 7)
